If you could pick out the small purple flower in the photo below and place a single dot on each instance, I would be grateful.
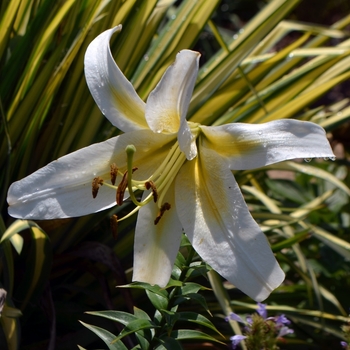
(344, 344)
(284, 331)
(277, 324)
(236, 339)
(234, 317)
(249, 319)
(282, 320)
(262, 310)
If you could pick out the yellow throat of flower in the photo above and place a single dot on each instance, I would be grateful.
(158, 183)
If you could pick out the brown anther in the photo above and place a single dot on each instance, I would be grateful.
(163, 208)
(96, 183)
(114, 173)
(150, 184)
(114, 226)
(122, 187)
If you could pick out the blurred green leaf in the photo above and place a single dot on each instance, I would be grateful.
(184, 334)
(108, 338)
(198, 319)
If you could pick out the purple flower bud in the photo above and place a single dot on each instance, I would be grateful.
(249, 319)
(284, 331)
(344, 344)
(234, 317)
(262, 310)
(236, 339)
(282, 320)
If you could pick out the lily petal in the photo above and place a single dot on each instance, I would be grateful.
(250, 146)
(63, 188)
(187, 143)
(112, 92)
(168, 103)
(156, 246)
(217, 221)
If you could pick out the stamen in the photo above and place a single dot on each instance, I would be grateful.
(114, 173)
(179, 159)
(150, 184)
(114, 226)
(96, 183)
(163, 208)
(122, 187)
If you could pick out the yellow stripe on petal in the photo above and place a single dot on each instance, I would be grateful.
(250, 146)
(168, 103)
(217, 221)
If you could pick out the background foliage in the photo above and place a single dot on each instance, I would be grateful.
(259, 63)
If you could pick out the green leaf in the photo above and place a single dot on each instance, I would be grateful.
(118, 316)
(106, 336)
(192, 296)
(197, 269)
(219, 68)
(289, 190)
(198, 319)
(160, 302)
(287, 243)
(313, 171)
(191, 287)
(170, 317)
(187, 334)
(40, 258)
(135, 326)
(168, 343)
(339, 245)
(144, 336)
(140, 314)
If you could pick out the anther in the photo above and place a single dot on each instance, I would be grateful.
(150, 184)
(122, 187)
(114, 173)
(114, 226)
(163, 208)
(96, 183)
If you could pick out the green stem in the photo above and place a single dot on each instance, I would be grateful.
(224, 301)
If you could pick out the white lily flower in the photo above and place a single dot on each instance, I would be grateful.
(184, 168)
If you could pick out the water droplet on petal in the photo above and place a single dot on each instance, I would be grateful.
(260, 132)
(307, 160)
(332, 158)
